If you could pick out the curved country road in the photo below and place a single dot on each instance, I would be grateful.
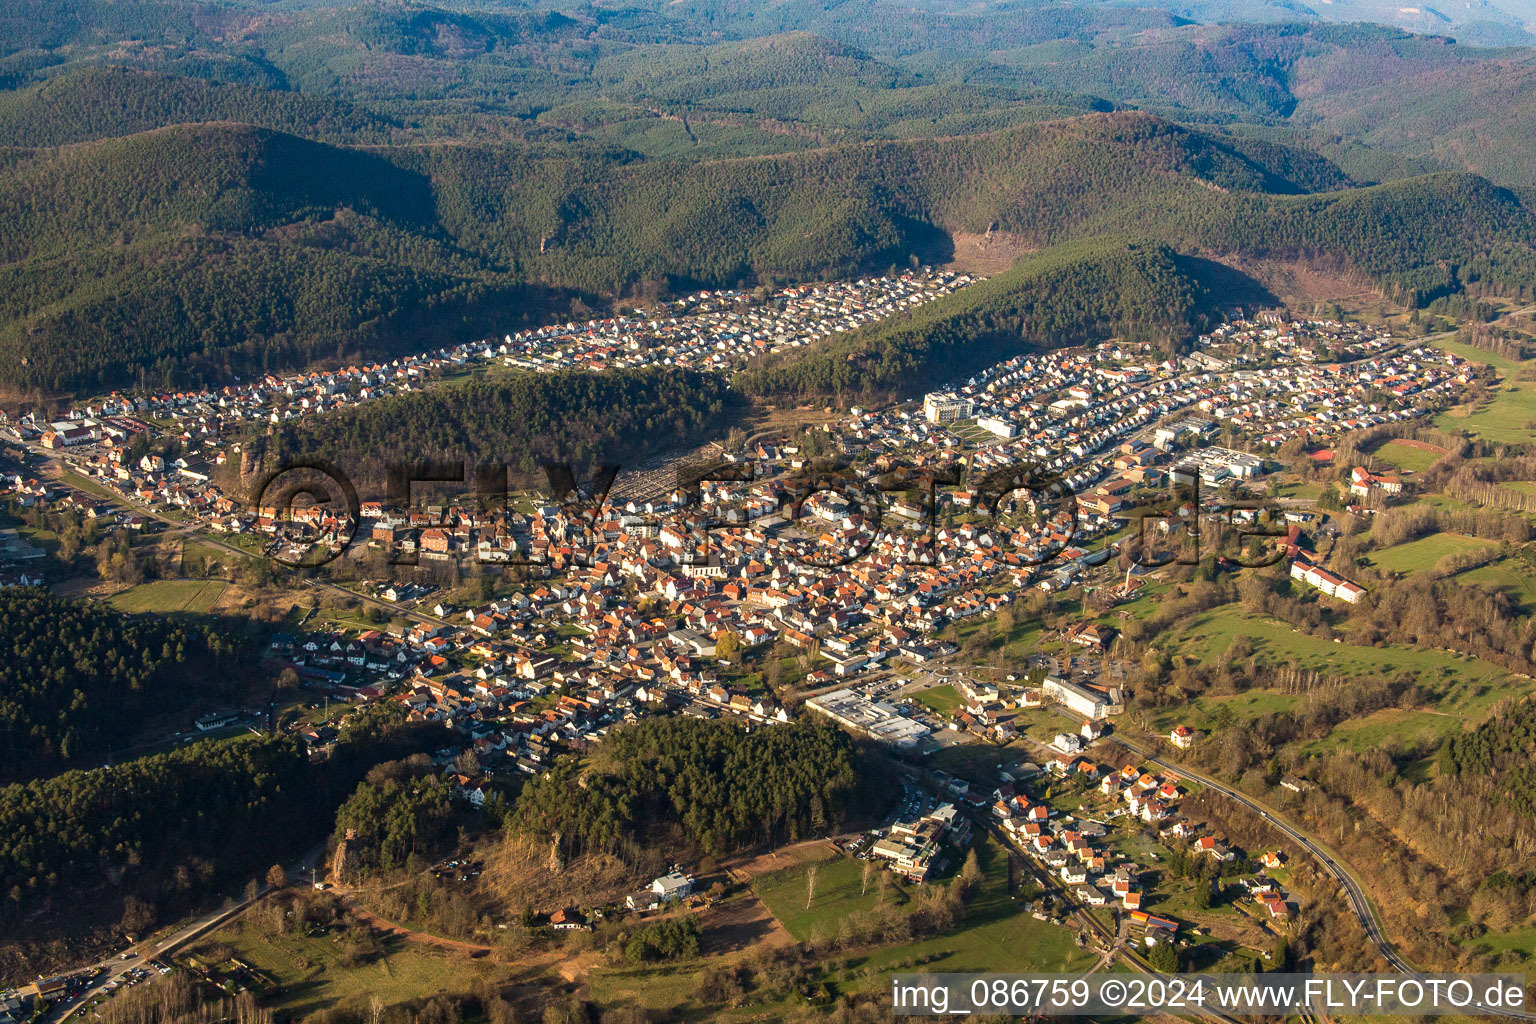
(1358, 900)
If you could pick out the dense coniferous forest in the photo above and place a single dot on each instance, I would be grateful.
(157, 836)
(723, 787)
(401, 811)
(191, 252)
(106, 101)
(1498, 755)
(162, 826)
(76, 677)
(522, 418)
(229, 202)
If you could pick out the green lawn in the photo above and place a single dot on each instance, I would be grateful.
(1146, 602)
(1211, 632)
(1381, 729)
(663, 987)
(1503, 419)
(89, 486)
(839, 892)
(1422, 554)
(1523, 939)
(1019, 641)
(996, 935)
(1407, 457)
(943, 699)
(165, 596)
(1465, 687)
(1241, 706)
(1301, 490)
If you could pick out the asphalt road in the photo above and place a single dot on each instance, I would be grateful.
(115, 966)
(1358, 900)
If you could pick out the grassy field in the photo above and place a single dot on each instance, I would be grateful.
(1211, 632)
(193, 548)
(1510, 575)
(165, 596)
(839, 892)
(1466, 687)
(1016, 643)
(1301, 490)
(89, 486)
(1523, 939)
(1407, 457)
(665, 987)
(1381, 729)
(1478, 355)
(1503, 419)
(1242, 706)
(311, 975)
(1419, 555)
(996, 935)
(943, 699)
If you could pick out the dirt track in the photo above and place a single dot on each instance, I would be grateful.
(390, 928)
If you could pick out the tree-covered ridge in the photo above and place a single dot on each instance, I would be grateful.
(75, 674)
(1385, 101)
(136, 824)
(1067, 295)
(212, 178)
(903, 29)
(522, 417)
(97, 102)
(1420, 238)
(768, 69)
(724, 786)
(153, 838)
(597, 226)
(402, 810)
(207, 309)
(193, 251)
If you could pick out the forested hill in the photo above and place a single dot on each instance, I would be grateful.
(833, 210)
(199, 252)
(711, 784)
(224, 178)
(193, 253)
(78, 679)
(521, 418)
(159, 829)
(1075, 293)
(106, 101)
